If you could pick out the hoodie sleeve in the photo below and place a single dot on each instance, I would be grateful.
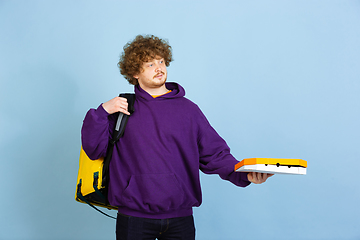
(95, 133)
(215, 156)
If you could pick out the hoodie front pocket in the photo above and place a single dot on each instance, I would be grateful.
(153, 193)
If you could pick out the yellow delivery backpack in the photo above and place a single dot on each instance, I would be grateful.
(93, 176)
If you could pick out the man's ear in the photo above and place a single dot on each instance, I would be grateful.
(137, 75)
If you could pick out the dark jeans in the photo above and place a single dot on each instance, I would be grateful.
(134, 228)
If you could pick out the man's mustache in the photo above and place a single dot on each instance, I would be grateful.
(161, 73)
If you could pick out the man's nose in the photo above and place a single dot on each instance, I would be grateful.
(158, 68)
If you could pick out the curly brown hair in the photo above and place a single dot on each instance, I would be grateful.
(142, 49)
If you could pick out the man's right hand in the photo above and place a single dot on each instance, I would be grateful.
(117, 104)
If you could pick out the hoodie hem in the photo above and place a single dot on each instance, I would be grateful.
(173, 214)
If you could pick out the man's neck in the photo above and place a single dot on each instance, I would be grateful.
(156, 90)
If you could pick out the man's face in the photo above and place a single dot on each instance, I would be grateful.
(153, 74)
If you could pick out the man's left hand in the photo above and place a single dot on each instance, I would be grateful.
(258, 178)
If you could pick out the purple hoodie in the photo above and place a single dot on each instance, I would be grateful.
(154, 171)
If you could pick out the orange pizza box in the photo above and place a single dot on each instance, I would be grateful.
(272, 165)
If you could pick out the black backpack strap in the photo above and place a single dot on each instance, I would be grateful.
(123, 118)
(117, 134)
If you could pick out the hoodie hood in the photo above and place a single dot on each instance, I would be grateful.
(177, 91)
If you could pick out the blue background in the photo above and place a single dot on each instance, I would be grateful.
(275, 79)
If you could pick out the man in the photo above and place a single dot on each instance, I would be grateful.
(154, 171)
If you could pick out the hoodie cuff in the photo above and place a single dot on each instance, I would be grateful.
(244, 177)
(101, 112)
